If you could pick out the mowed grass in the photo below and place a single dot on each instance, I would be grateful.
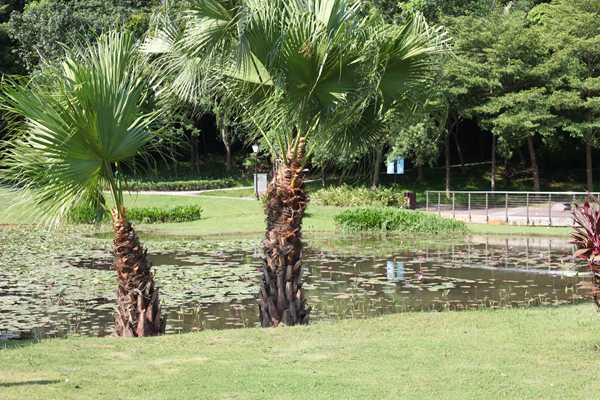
(224, 215)
(546, 353)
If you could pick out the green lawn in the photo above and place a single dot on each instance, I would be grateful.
(510, 354)
(236, 215)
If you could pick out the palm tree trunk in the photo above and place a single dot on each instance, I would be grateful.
(534, 165)
(588, 167)
(138, 304)
(378, 161)
(281, 297)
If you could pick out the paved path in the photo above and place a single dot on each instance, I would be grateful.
(541, 215)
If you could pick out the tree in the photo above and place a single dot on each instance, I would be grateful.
(301, 73)
(44, 28)
(520, 110)
(418, 136)
(78, 124)
(571, 31)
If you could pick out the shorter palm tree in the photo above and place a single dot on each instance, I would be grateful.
(76, 125)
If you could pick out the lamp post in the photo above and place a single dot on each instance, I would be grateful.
(255, 149)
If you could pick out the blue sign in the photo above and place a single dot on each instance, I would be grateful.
(395, 167)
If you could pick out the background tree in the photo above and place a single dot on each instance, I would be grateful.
(571, 31)
(78, 124)
(44, 27)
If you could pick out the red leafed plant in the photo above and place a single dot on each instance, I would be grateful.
(586, 222)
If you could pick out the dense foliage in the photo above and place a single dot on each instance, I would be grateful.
(394, 219)
(351, 196)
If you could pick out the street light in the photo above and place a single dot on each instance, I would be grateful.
(255, 149)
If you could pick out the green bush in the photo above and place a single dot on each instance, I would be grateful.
(350, 196)
(179, 185)
(149, 215)
(393, 219)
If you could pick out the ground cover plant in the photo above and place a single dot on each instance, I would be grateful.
(394, 219)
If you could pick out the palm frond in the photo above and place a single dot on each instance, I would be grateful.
(77, 126)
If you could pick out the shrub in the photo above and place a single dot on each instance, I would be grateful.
(148, 215)
(393, 219)
(179, 185)
(350, 196)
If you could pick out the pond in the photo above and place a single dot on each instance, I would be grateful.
(63, 285)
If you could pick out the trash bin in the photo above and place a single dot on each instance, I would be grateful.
(410, 200)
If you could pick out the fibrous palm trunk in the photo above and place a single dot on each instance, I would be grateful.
(281, 297)
(138, 304)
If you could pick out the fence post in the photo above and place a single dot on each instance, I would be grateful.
(506, 207)
(439, 201)
(427, 200)
(550, 209)
(487, 209)
(469, 207)
(527, 206)
(453, 205)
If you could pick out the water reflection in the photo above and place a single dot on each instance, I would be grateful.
(214, 288)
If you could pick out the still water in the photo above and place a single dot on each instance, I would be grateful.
(212, 285)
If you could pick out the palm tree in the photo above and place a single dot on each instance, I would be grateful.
(77, 125)
(301, 73)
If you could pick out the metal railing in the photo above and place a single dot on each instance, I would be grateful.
(520, 208)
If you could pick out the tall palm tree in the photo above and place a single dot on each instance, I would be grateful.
(77, 125)
(301, 73)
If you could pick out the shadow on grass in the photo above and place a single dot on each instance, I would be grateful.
(27, 383)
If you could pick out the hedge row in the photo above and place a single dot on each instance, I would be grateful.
(393, 219)
(355, 196)
(149, 215)
(180, 185)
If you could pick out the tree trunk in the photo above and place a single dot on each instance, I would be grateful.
(493, 172)
(459, 150)
(323, 176)
(281, 297)
(378, 161)
(228, 163)
(534, 165)
(227, 143)
(195, 155)
(138, 304)
(447, 156)
(588, 167)
(420, 174)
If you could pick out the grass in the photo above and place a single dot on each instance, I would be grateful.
(545, 353)
(224, 215)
